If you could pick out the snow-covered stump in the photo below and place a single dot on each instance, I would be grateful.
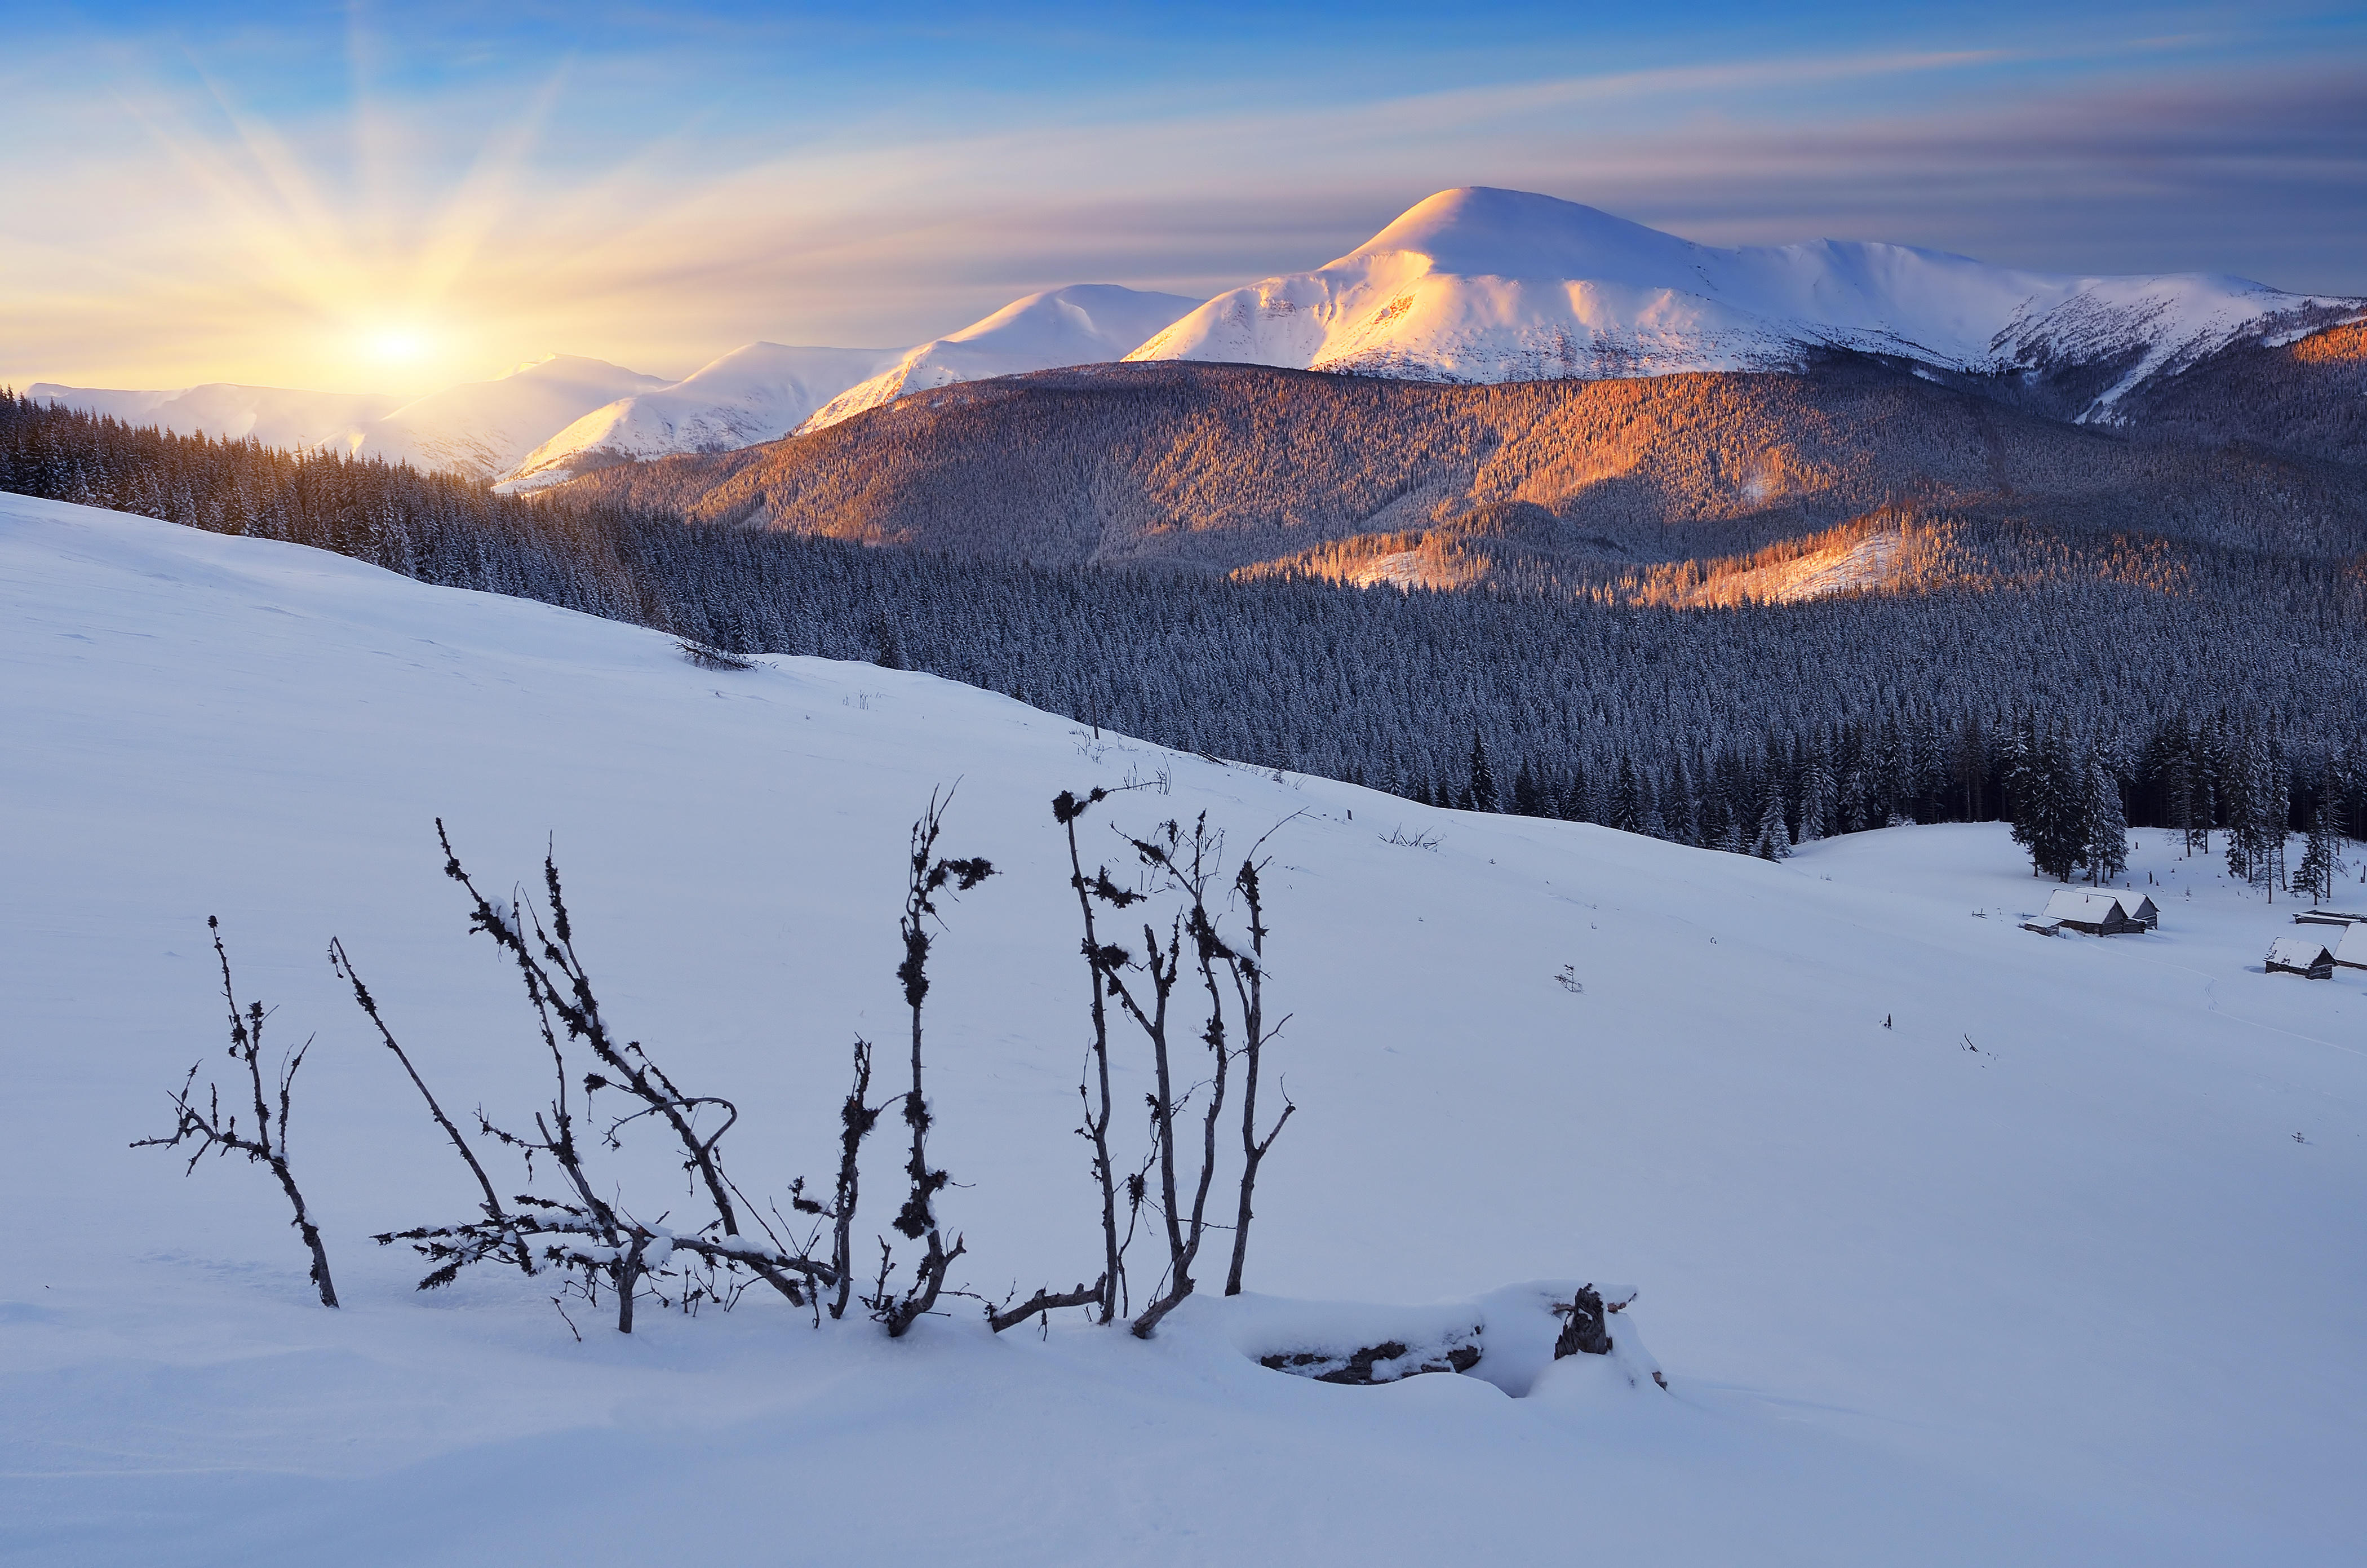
(1384, 1363)
(1516, 1338)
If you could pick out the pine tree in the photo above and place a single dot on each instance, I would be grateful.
(2052, 802)
(1626, 798)
(2108, 825)
(1816, 792)
(1528, 797)
(1480, 796)
(1774, 840)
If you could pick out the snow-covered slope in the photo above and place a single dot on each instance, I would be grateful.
(1959, 1244)
(758, 392)
(276, 416)
(483, 428)
(1485, 285)
(1084, 324)
(767, 390)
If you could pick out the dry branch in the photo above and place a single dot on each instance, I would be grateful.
(217, 1134)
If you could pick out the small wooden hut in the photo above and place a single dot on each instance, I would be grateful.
(2096, 911)
(2305, 956)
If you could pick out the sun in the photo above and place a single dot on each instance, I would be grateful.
(396, 346)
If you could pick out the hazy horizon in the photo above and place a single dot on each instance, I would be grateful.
(359, 200)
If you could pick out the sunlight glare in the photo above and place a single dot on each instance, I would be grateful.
(397, 346)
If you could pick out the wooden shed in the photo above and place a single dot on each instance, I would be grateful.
(2096, 911)
(2305, 956)
(2139, 908)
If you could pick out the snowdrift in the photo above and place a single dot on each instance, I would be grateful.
(1938, 1225)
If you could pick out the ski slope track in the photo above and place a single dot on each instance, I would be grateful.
(1958, 1245)
(1484, 284)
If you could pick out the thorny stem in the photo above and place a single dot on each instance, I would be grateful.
(344, 967)
(216, 1134)
(1249, 985)
(918, 1219)
(1066, 808)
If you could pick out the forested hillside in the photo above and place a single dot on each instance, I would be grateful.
(1232, 466)
(2068, 679)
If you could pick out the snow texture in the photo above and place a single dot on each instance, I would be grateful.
(1484, 284)
(1940, 1229)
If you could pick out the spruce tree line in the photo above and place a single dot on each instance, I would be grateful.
(2233, 704)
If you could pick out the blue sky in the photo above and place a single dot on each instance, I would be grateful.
(278, 195)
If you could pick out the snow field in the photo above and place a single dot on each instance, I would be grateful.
(2038, 1272)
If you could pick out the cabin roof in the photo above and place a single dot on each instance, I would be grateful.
(2301, 952)
(2351, 945)
(2094, 905)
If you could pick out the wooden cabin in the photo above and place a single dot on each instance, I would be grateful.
(2351, 949)
(2139, 908)
(2305, 956)
(2097, 911)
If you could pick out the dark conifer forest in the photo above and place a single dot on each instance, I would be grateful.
(2070, 683)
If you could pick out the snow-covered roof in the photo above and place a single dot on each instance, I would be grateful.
(2300, 952)
(2351, 947)
(2091, 905)
(2134, 902)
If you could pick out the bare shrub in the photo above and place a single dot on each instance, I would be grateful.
(265, 1144)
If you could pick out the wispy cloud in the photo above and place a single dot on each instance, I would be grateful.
(194, 233)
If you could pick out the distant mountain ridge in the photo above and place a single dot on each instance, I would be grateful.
(1481, 284)
(1236, 468)
(549, 420)
(1085, 323)
(479, 429)
(483, 428)
(759, 392)
(276, 416)
(1471, 285)
(766, 390)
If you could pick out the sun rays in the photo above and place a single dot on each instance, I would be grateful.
(342, 205)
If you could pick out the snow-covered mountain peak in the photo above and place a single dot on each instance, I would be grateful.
(1477, 284)
(483, 429)
(1084, 324)
(763, 391)
(759, 392)
(1480, 231)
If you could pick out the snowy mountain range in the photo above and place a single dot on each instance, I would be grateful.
(276, 416)
(556, 417)
(1479, 285)
(1087, 323)
(766, 390)
(1471, 285)
(759, 392)
(483, 428)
